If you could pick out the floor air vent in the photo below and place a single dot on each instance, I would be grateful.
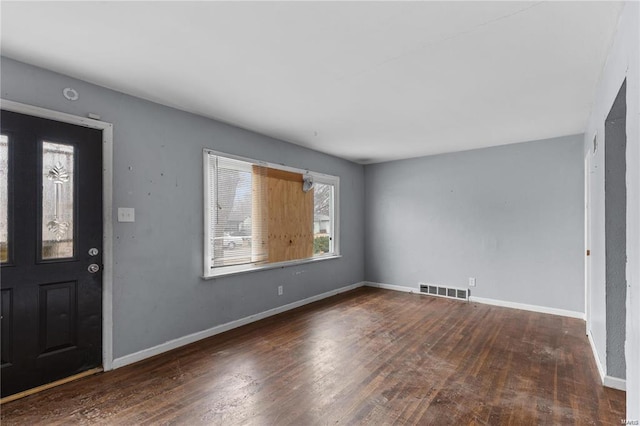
(449, 292)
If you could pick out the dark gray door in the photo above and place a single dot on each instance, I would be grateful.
(51, 250)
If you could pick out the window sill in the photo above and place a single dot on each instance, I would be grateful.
(242, 269)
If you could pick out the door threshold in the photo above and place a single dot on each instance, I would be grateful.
(50, 385)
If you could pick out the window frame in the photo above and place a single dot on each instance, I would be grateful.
(211, 272)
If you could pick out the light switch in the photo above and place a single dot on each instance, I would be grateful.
(126, 214)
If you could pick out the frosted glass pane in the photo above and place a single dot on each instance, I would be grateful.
(57, 200)
(4, 198)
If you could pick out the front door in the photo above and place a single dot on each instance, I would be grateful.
(50, 250)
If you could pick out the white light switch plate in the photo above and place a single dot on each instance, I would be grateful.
(126, 214)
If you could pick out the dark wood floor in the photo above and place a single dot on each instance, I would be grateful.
(369, 356)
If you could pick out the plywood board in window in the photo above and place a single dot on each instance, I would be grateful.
(290, 221)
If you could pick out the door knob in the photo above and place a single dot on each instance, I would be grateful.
(93, 268)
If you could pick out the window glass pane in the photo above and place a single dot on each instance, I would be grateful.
(322, 212)
(258, 215)
(57, 200)
(231, 212)
(4, 198)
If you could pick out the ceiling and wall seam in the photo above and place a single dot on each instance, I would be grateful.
(367, 82)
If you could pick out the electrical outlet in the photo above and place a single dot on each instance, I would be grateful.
(126, 214)
(472, 282)
(280, 290)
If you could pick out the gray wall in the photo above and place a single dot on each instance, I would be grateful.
(510, 216)
(616, 233)
(158, 294)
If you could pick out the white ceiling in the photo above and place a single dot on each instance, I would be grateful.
(366, 81)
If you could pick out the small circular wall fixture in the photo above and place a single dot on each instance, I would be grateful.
(307, 183)
(70, 93)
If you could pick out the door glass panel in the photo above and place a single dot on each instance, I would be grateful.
(57, 200)
(4, 198)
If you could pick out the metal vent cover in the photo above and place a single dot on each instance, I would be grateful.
(442, 291)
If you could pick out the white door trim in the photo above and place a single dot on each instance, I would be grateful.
(587, 238)
(107, 200)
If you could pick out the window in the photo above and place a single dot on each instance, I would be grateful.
(4, 199)
(260, 215)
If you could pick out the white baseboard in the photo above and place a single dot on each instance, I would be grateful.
(505, 304)
(392, 287)
(608, 381)
(194, 337)
(525, 307)
(615, 383)
(601, 370)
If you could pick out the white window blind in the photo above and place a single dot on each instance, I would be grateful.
(231, 211)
